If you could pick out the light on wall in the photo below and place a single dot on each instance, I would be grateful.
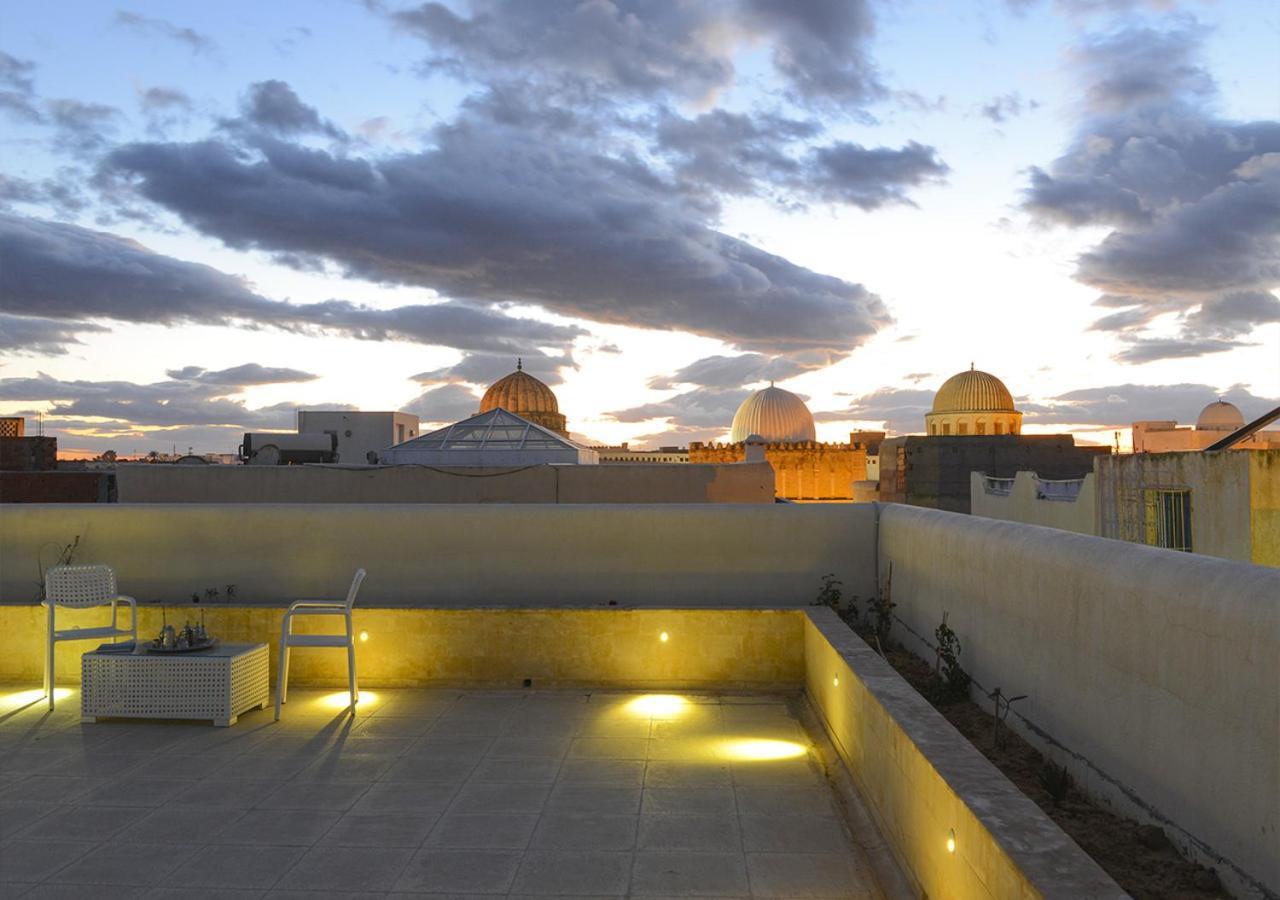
(761, 750)
(664, 637)
(658, 706)
(364, 636)
(836, 681)
(951, 841)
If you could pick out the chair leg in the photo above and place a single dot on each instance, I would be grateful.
(49, 683)
(283, 674)
(351, 675)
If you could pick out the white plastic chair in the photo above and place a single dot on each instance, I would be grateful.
(81, 587)
(319, 608)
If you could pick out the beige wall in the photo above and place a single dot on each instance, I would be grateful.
(1264, 507)
(1023, 504)
(1161, 669)
(524, 555)
(923, 780)
(637, 483)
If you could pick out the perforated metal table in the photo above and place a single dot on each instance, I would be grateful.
(216, 684)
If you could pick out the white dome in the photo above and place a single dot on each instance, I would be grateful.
(775, 415)
(1220, 416)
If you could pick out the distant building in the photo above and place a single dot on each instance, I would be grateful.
(624, 454)
(12, 426)
(804, 468)
(972, 403)
(528, 398)
(359, 432)
(1215, 422)
(1067, 504)
(493, 438)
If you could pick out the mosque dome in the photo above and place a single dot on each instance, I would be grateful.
(1220, 416)
(973, 403)
(775, 415)
(972, 391)
(527, 397)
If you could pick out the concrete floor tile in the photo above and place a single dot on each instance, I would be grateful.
(451, 770)
(32, 861)
(794, 834)
(346, 767)
(685, 774)
(424, 798)
(78, 892)
(448, 744)
(19, 817)
(79, 823)
(689, 874)
(594, 798)
(283, 827)
(561, 872)
(558, 831)
(125, 863)
(464, 871)
(49, 789)
(137, 791)
(239, 866)
(205, 893)
(609, 748)
(483, 831)
(807, 875)
(783, 800)
(529, 748)
(334, 795)
(789, 772)
(493, 798)
(515, 771)
(718, 834)
(174, 824)
(347, 869)
(620, 772)
(380, 830)
(702, 801)
(220, 793)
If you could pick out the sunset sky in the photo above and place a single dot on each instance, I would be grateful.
(213, 214)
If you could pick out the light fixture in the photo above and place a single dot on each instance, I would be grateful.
(951, 841)
(664, 637)
(364, 636)
(658, 706)
(836, 681)
(761, 750)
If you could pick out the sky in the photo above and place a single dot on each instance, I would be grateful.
(212, 215)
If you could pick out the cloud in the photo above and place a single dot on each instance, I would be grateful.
(17, 89)
(699, 408)
(1193, 200)
(273, 106)
(736, 371)
(242, 375)
(1120, 405)
(60, 271)
(897, 410)
(61, 193)
(195, 41)
(683, 51)
(1007, 106)
(81, 127)
(492, 214)
(870, 178)
(486, 368)
(447, 403)
(162, 98)
(36, 336)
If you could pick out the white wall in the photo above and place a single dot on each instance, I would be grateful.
(1023, 504)
(1154, 675)
(530, 555)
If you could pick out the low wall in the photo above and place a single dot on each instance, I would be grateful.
(637, 483)
(720, 649)
(1151, 674)
(1023, 503)
(925, 782)
(522, 555)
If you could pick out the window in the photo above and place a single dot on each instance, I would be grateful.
(999, 428)
(933, 429)
(962, 428)
(980, 428)
(946, 427)
(1168, 518)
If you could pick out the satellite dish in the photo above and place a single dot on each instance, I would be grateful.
(267, 456)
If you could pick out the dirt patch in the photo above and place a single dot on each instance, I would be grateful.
(1139, 857)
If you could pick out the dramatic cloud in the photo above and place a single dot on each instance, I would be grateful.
(35, 336)
(685, 51)
(897, 410)
(17, 89)
(274, 107)
(702, 407)
(1120, 405)
(59, 271)
(1193, 200)
(196, 42)
(489, 216)
(444, 404)
(81, 128)
(486, 368)
(736, 371)
(242, 375)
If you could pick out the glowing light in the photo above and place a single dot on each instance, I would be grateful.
(951, 841)
(364, 636)
(664, 637)
(761, 750)
(19, 699)
(836, 681)
(658, 706)
(342, 699)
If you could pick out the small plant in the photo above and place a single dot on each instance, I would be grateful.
(955, 680)
(66, 556)
(880, 613)
(230, 592)
(830, 595)
(1056, 781)
(1003, 705)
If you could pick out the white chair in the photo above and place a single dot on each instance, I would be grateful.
(319, 608)
(81, 587)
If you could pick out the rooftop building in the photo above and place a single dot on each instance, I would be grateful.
(527, 397)
(973, 403)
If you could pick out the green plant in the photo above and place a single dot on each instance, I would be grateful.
(880, 613)
(1056, 781)
(830, 595)
(955, 680)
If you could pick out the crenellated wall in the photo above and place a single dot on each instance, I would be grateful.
(803, 470)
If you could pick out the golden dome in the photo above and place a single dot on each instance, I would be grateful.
(527, 397)
(1220, 416)
(776, 415)
(973, 391)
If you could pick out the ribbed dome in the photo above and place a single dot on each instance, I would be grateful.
(519, 393)
(973, 391)
(1220, 416)
(776, 415)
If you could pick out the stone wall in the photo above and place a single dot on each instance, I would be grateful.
(807, 470)
(1028, 501)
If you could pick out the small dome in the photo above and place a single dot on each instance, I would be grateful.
(1220, 416)
(973, 391)
(775, 415)
(519, 393)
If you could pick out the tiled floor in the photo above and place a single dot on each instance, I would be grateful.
(440, 793)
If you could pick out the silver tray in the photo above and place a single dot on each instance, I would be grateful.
(153, 648)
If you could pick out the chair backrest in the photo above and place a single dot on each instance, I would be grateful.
(80, 585)
(355, 587)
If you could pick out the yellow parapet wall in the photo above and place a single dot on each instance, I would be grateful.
(720, 649)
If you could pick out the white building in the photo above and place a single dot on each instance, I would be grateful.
(359, 433)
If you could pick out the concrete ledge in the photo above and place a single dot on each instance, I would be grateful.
(923, 780)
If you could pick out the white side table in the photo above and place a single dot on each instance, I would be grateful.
(217, 684)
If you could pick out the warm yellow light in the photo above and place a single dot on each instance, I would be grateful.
(342, 699)
(759, 749)
(664, 637)
(836, 681)
(19, 699)
(364, 636)
(951, 841)
(658, 706)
